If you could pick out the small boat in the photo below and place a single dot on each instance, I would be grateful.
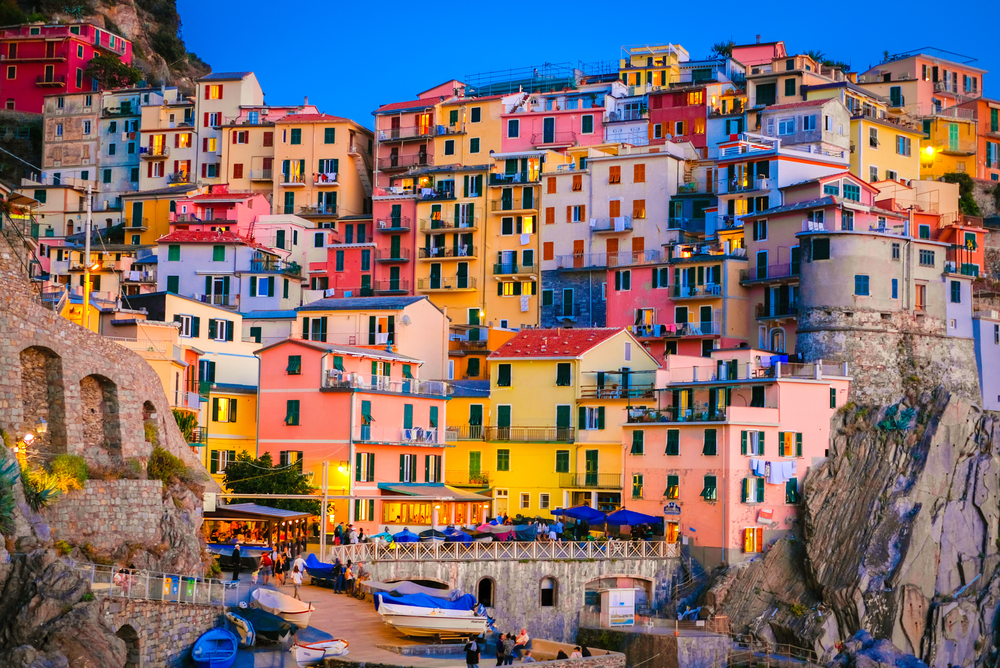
(308, 654)
(432, 536)
(432, 622)
(263, 626)
(214, 649)
(290, 609)
(244, 629)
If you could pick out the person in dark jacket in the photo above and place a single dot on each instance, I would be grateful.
(561, 655)
(500, 654)
(472, 650)
(236, 562)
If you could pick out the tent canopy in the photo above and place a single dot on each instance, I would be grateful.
(631, 518)
(581, 513)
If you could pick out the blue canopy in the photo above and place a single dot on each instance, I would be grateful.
(526, 531)
(581, 513)
(406, 536)
(631, 518)
(385, 535)
(317, 568)
(457, 537)
(464, 602)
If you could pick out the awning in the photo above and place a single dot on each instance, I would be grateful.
(252, 511)
(439, 491)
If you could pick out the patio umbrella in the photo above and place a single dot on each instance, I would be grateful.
(630, 517)
(581, 513)
(406, 536)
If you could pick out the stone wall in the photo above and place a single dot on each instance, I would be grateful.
(983, 195)
(75, 359)
(105, 512)
(663, 650)
(589, 306)
(516, 586)
(158, 634)
(890, 353)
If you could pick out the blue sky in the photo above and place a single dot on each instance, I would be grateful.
(349, 57)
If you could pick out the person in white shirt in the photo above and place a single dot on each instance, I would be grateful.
(296, 580)
(299, 563)
(354, 537)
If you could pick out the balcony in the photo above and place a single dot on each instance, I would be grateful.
(261, 174)
(676, 330)
(390, 224)
(587, 261)
(773, 273)
(217, 300)
(126, 110)
(463, 251)
(777, 311)
(591, 480)
(51, 81)
(432, 195)
(178, 177)
(625, 115)
(553, 139)
(514, 206)
(468, 432)
(609, 391)
(393, 435)
(674, 414)
(315, 210)
(473, 346)
(276, 266)
(405, 133)
(154, 152)
(504, 269)
(293, 180)
(325, 179)
(341, 380)
(391, 286)
(530, 434)
(611, 225)
(722, 187)
(390, 255)
(404, 162)
(138, 277)
(137, 224)
(709, 291)
(468, 223)
(466, 478)
(452, 284)
(961, 146)
(198, 436)
(518, 178)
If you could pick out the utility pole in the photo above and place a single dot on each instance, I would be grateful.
(86, 267)
(323, 511)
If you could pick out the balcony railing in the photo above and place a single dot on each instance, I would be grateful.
(465, 477)
(198, 435)
(139, 277)
(769, 272)
(611, 225)
(409, 132)
(431, 194)
(696, 291)
(591, 480)
(466, 344)
(405, 161)
(261, 174)
(325, 179)
(449, 224)
(137, 223)
(452, 283)
(513, 268)
(51, 80)
(154, 151)
(415, 436)
(634, 391)
(392, 255)
(440, 252)
(779, 310)
(673, 330)
(519, 204)
(468, 432)
(218, 300)
(277, 266)
(340, 380)
(290, 180)
(390, 285)
(602, 260)
(545, 138)
(531, 434)
(390, 224)
(674, 414)
(518, 178)
(316, 210)
(503, 551)
(723, 187)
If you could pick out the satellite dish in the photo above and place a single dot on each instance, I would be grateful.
(405, 320)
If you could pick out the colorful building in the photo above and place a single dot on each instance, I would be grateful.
(168, 138)
(219, 99)
(650, 67)
(721, 450)
(40, 60)
(71, 138)
(148, 213)
(121, 141)
(919, 83)
(987, 114)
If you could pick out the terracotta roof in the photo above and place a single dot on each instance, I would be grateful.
(311, 118)
(415, 104)
(554, 342)
(207, 237)
(796, 105)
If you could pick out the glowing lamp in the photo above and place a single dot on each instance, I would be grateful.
(41, 426)
(929, 151)
(29, 438)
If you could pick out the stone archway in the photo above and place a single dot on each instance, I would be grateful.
(99, 415)
(44, 398)
(486, 592)
(133, 656)
(150, 423)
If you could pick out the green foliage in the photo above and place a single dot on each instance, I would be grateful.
(152, 434)
(8, 476)
(723, 49)
(186, 422)
(5, 438)
(259, 476)
(896, 420)
(816, 55)
(167, 44)
(70, 470)
(127, 470)
(214, 570)
(63, 548)
(166, 468)
(798, 609)
(966, 186)
(11, 14)
(87, 597)
(111, 72)
(40, 488)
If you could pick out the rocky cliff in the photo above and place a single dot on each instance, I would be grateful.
(899, 537)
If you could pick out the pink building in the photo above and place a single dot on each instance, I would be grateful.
(681, 114)
(555, 120)
(351, 258)
(220, 210)
(722, 452)
(368, 414)
(760, 53)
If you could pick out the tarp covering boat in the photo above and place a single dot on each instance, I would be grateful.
(407, 587)
(464, 602)
(288, 608)
(317, 568)
(431, 535)
(405, 536)
(263, 625)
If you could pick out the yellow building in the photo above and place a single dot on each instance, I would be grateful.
(230, 426)
(322, 168)
(468, 347)
(950, 144)
(246, 160)
(551, 427)
(782, 82)
(147, 212)
(883, 146)
(651, 66)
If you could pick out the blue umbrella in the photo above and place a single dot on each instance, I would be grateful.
(457, 537)
(406, 536)
(630, 517)
(581, 513)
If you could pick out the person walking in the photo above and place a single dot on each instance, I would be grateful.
(500, 655)
(279, 569)
(236, 562)
(508, 650)
(472, 653)
(265, 567)
(559, 530)
(296, 580)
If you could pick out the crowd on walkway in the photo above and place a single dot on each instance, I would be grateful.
(510, 647)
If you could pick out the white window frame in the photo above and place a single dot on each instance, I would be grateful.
(827, 123)
(543, 501)
(223, 459)
(786, 126)
(220, 329)
(524, 501)
(770, 127)
(185, 330)
(754, 499)
(591, 415)
(891, 175)
(872, 172)
(755, 443)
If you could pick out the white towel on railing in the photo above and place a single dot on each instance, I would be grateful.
(524, 303)
(619, 224)
(525, 239)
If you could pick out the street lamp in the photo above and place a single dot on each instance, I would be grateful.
(41, 426)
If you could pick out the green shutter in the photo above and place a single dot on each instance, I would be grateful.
(214, 466)
(743, 490)
(212, 328)
(195, 327)
(402, 468)
(434, 417)
(710, 445)
(673, 442)
(173, 284)
(582, 418)
(743, 442)
(270, 286)
(637, 442)
(284, 294)
(372, 326)
(798, 445)
(357, 467)
(338, 362)
(305, 328)
(215, 409)
(760, 489)
(253, 286)
(294, 365)
(407, 416)
(600, 417)
(173, 253)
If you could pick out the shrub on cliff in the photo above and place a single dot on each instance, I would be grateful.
(8, 476)
(40, 488)
(70, 471)
(166, 468)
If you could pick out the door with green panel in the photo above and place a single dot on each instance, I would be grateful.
(591, 459)
(564, 423)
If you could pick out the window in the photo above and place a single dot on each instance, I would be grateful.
(474, 145)
(672, 490)
(173, 253)
(924, 231)
(294, 365)
(852, 192)
(861, 285)
(449, 147)
(503, 460)
(709, 489)
(638, 443)
(213, 92)
(786, 126)
(956, 292)
(623, 280)
(673, 442)
(846, 220)
(220, 460)
(476, 114)
(587, 124)
(525, 500)
(220, 330)
(292, 412)
(809, 122)
(903, 145)
(709, 447)
(543, 501)
(638, 208)
(615, 174)
(223, 409)
(296, 136)
(407, 468)
(752, 442)
(760, 230)
(329, 135)
(11, 72)
(364, 466)
(562, 461)
(920, 300)
(591, 418)
(789, 444)
(926, 258)
(547, 591)
(59, 130)
(189, 325)
(563, 373)
(753, 490)
(895, 288)
(218, 253)
(753, 539)
(636, 485)
(872, 173)
(503, 375)
(792, 490)
(638, 173)
(513, 128)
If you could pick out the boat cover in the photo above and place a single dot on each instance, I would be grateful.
(267, 626)
(317, 568)
(413, 588)
(464, 602)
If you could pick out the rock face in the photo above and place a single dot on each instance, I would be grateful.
(900, 531)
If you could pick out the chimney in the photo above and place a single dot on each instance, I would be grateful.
(758, 39)
(307, 97)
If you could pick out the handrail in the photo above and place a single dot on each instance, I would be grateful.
(502, 551)
(151, 586)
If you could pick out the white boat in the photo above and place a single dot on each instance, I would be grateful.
(290, 609)
(432, 622)
(309, 654)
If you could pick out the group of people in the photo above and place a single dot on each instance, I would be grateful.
(279, 562)
(347, 577)
(348, 535)
(509, 647)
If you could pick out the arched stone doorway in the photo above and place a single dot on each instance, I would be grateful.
(150, 423)
(43, 398)
(99, 417)
(486, 592)
(133, 656)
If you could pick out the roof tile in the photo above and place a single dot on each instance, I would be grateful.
(554, 342)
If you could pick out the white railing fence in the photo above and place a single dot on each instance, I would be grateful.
(502, 551)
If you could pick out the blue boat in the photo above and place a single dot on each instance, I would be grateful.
(215, 649)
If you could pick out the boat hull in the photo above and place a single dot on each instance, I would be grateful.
(290, 609)
(436, 627)
(308, 654)
(214, 649)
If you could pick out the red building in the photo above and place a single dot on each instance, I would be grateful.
(40, 60)
(395, 234)
(679, 114)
